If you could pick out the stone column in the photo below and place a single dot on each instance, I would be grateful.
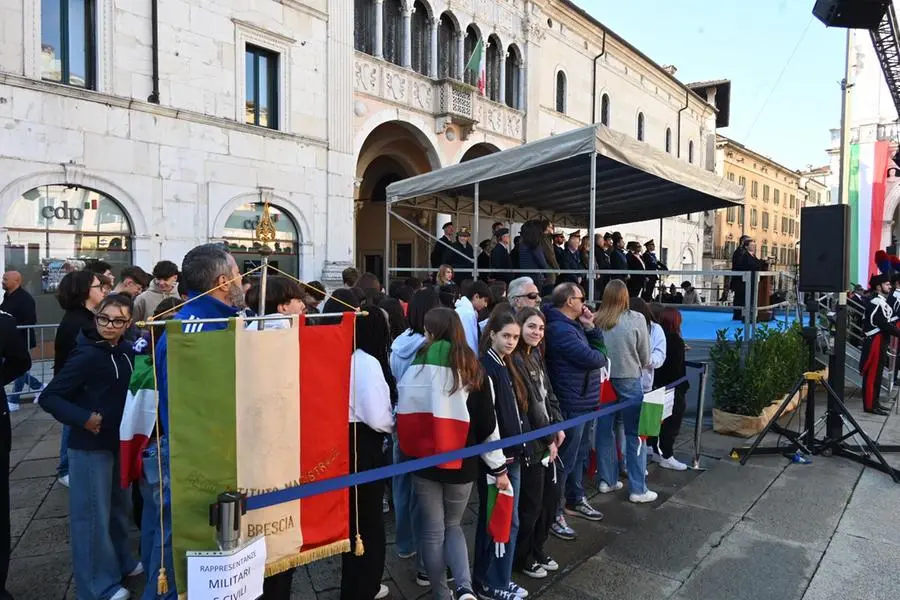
(435, 25)
(521, 82)
(379, 28)
(406, 11)
(460, 54)
(502, 98)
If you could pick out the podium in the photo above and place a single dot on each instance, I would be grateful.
(763, 295)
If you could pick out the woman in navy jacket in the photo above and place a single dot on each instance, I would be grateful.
(88, 395)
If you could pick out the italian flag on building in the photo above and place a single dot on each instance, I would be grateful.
(867, 186)
(477, 65)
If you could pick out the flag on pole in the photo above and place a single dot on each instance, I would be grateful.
(138, 419)
(258, 411)
(478, 66)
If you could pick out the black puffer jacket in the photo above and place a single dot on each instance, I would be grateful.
(543, 407)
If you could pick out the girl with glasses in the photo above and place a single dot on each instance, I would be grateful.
(88, 395)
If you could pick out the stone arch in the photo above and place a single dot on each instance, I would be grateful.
(415, 125)
(475, 149)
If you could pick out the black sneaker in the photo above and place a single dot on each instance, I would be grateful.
(423, 581)
(535, 570)
(546, 561)
(465, 594)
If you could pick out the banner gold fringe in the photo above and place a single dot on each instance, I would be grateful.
(307, 557)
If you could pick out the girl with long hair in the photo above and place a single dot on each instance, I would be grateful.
(627, 340)
(444, 276)
(543, 478)
(671, 370)
(446, 403)
(531, 252)
(493, 574)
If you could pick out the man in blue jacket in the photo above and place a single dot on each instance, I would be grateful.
(573, 366)
(206, 267)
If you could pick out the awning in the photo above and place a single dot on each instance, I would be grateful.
(634, 181)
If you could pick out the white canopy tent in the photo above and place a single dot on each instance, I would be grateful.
(588, 178)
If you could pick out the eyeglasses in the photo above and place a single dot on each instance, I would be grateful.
(104, 321)
(530, 296)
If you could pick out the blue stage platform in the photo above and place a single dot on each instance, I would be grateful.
(703, 324)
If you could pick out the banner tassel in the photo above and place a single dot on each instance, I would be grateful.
(358, 549)
(162, 582)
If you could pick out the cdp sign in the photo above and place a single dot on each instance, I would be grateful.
(63, 213)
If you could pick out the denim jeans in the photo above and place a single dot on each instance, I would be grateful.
(151, 544)
(490, 570)
(98, 516)
(406, 511)
(442, 541)
(607, 459)
(24, 380)
(574, 454)
(63, 468)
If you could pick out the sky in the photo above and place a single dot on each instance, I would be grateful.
(750, 43)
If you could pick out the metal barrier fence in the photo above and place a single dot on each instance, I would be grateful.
(41, 371)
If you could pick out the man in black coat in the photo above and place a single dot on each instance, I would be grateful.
(462, 265)
(635, 282)
(20, 304)
(736, 284)
(601, 256)
(617, 258)
(652, 264)
(500, 258)
(14, 361)
(437, 253)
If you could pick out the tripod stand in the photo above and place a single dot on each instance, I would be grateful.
(805, 441)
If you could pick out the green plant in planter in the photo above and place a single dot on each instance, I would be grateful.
(771, 364)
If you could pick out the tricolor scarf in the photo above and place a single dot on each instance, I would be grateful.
(430, 420)
(138, 419)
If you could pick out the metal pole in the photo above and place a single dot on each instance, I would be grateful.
(592, 223)
(263, 279)
(476, 241)
(748, 288)
(836, 374)
(387, 244)
(698, 426)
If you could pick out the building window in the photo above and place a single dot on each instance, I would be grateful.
(420, 39)
(776, 198)
(784, 224)
(492, 68)
(793, 200)
(471, 41)
(731, 177)
(640, 126)
(261, 83)
(730, 213)
(68, 42)
(765, 220)
(691, 152)
(447, 36)
(741, 215)
(364, 26)
(669, 142)
(765, 251)
(604, 109)
(513, 62)
(560, 92)
(752, 217)
(742, 181)
(392, 31)
(754, 189)
(765, 193)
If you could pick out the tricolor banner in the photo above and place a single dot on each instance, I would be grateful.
(867, 175)
(138, 419)
(258, 411)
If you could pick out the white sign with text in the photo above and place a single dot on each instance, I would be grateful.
(234, 575)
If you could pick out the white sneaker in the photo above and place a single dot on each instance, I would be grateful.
(653, 456)
(672, 463)
(647, 496)
(605, 488)
(383, 592)
(64, 480)
(122, 594)
(138, 570)
(12, 406)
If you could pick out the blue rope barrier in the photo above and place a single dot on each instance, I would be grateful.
(355, 479)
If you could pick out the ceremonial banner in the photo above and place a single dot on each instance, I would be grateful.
(258, 411)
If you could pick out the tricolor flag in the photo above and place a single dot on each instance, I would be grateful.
(500, 506)
(258, 411)
(138, 419)
(652, 410)
(868, 171)
(478, 66)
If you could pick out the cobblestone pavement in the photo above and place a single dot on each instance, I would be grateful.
(769, 530)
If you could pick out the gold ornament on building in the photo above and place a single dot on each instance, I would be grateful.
(265, 229)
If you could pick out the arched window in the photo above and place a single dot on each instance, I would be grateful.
(513, 83)
(54, 229)
(669, 140)
(492, 68)
(691, 152)
(392, 23)
(420, 38)
(640, 126)
(560, 92)
(240, 237)
(472, 38)
(447, 47)
(604, 109)
(364, 26)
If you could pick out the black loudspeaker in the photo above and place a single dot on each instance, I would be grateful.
(824, 260)
(852, 14)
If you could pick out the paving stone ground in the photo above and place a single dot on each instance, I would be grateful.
(769, 530)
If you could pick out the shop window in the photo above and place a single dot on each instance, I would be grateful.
(69, 42)
(240, 237)
(261, 83)
(54, 229)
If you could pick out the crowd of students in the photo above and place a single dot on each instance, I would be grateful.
(436, 368)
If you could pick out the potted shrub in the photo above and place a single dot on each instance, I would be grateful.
(747, 392)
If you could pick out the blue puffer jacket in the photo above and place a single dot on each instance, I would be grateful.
(572, 364)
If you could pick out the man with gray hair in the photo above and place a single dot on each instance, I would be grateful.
(207, 269)
(523, 293)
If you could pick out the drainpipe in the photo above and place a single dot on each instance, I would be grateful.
(594, 80)
(678, 126)
(154, 50)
